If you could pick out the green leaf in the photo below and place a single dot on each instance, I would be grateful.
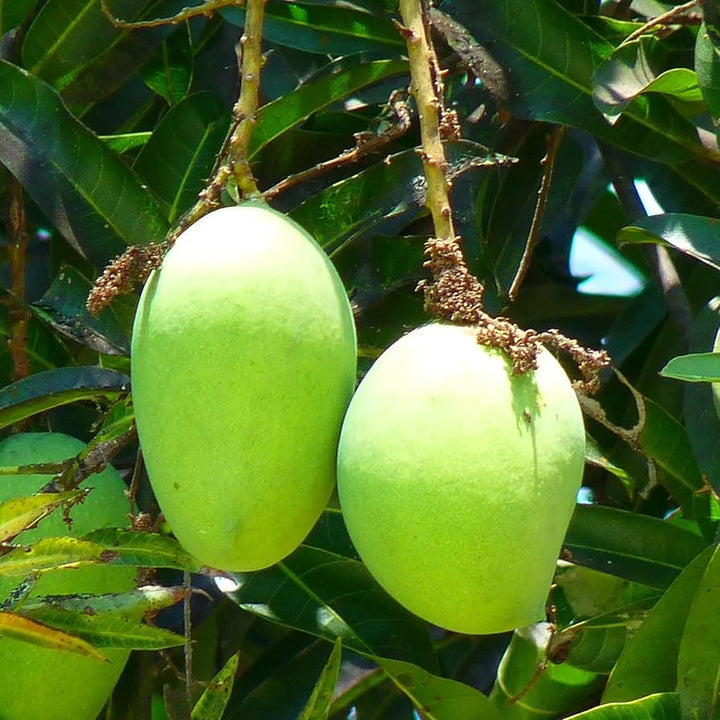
(49, 554)
(53, 388)
(63, 307)
(629, 72)
(698, 668)
(296, 106)
(13, 12)
(169, 70)
(629, 545)
(696, 367)
(323, 28)
(528, 687)
(332, 596)
(106, 630)
(549, 57)
(661, 706)
(18, 514)
(148, 598)
(318, 706)
(18, 627)
(179, 156)
(648, 663)
(89, 194)
(213, 701)
(126, 142)
(698, 237)
(438, 698)
(126, 547)
(707, 67)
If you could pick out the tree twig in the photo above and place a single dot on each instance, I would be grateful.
(206, 9)
(657, 256)
(663, 19)
(553, 145)
(17, 259)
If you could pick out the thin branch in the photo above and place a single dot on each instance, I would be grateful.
(664, 19)
(187, 628)
(206, 9)
(657, 256)
(366, 144)
(17, 259)
(553, 145)
(245, 110)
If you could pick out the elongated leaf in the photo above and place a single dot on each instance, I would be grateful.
(318, 706)
(549, 56)
(526, 687)
(149, 598)
(297, 105)
(332, 596)
(125, 547)
(18, 514)
(88, 193)
(169, 71)
(696, 367)
(698, 668)
(637, 547)
(54, 388)
(438, 698)
(179, 156)
(49, 554)
(213, 701)
(322, 28)
(662, 706)
(648, 663)
(698, 237)
(106, 630)
(18, 627)
(13, 12)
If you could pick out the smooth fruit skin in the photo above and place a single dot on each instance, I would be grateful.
(457, 479)
(243, 364)
(38, 683)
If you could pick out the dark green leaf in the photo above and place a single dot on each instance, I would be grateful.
(698, 237)
(637, 547)
(89, 194)
(52, 388)
(294, 107)
(698, 668)
(63, 307)
(13, 12)
(169, 70)
(662, 706)
(438, 698)
(648, 663)
(707, 67)
(333, 596)
(318, 706)
(213, 701)
(321, 28)
(696, 367)
(178, 158)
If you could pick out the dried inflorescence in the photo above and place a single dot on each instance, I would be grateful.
(455, 294)
(124, 273)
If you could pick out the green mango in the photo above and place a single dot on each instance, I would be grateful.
(457, 479)
(45, 684)
(243, 364)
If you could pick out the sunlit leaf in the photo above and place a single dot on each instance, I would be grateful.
(661, 706)
(697, 367)
(318, 707)
(18, 514)
(213, 701)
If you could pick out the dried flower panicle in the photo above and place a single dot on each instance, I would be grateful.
(455, 294)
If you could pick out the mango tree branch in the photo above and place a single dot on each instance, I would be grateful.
(246, 107)
(424, 88)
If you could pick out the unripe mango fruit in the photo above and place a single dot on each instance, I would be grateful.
(44, 684)
(457, 479)
(243, 364)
